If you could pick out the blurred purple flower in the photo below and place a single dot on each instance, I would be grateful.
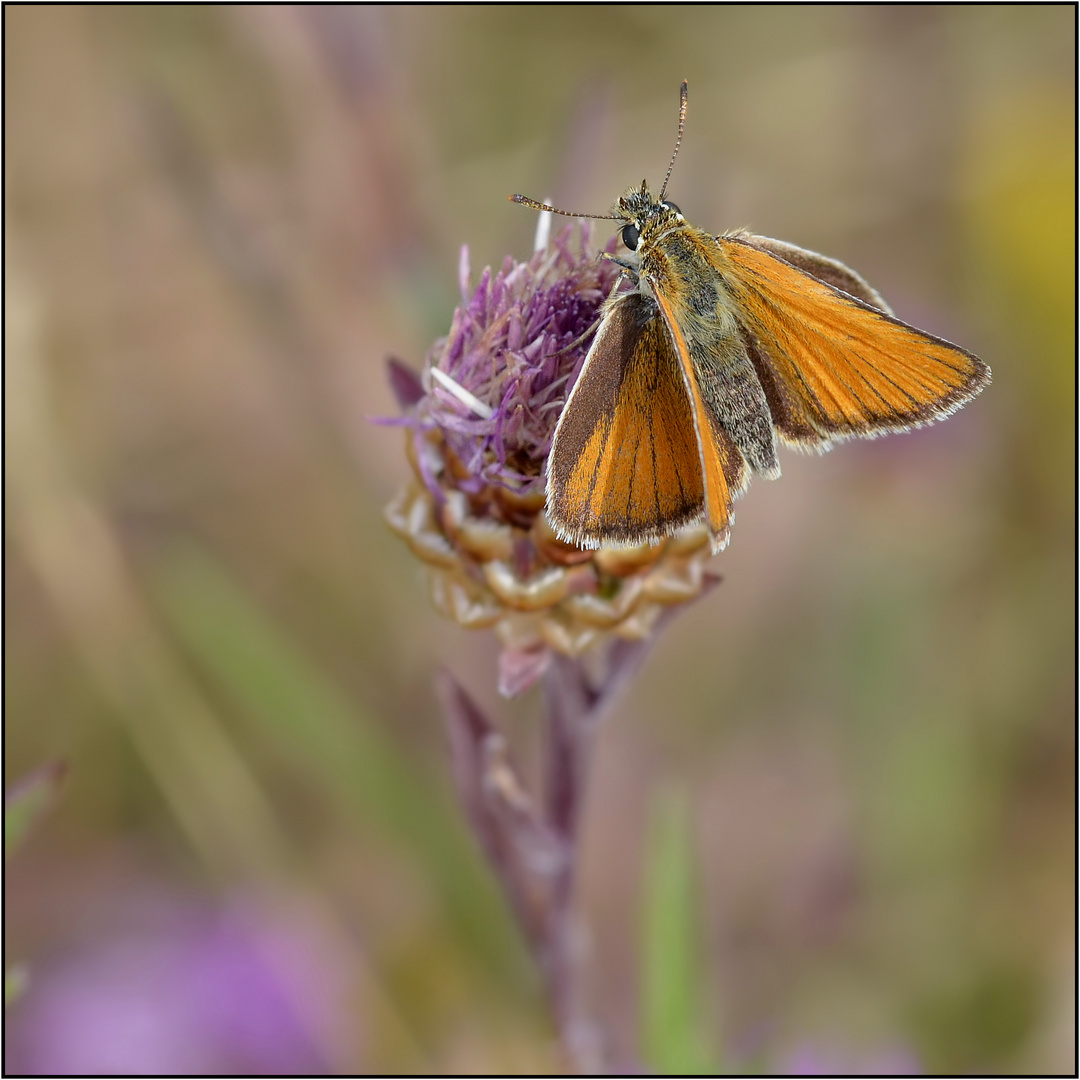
(814, 1059)
(226, 994)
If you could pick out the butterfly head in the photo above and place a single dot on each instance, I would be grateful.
(638, 209)
(644, 214)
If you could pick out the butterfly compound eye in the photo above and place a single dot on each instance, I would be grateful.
(671, 206)
(630, 236)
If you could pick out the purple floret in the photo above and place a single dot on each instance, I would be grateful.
(517, 345)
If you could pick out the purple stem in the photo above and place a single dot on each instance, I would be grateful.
(533, 851)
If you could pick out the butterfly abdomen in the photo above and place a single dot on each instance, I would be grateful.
(736, 401)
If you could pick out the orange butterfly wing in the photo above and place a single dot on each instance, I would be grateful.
(832, 365)
(722, 464)
(626, 464)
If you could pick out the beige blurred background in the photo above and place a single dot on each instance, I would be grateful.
(220, 222)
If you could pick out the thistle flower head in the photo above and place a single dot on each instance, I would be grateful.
(498, 380)
(479, 424)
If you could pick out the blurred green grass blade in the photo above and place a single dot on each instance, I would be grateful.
(337, 741)
(27, 800)
(672, 983)
(15, 980)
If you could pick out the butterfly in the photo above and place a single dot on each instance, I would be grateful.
(722, 348)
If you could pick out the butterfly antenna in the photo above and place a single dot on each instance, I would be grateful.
(526, 201)
(678, 141)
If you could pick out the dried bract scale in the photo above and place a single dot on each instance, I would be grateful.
(479, 426)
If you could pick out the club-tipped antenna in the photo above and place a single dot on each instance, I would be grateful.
(526, 201)
(678, 141)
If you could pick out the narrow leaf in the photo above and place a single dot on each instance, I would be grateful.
(27, 800)
(672, 984)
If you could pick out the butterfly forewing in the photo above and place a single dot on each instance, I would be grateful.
(625, 463)
(840, 367)
(831, 271)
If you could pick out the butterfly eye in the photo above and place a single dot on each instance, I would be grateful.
(630, 236)
(671, 206)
